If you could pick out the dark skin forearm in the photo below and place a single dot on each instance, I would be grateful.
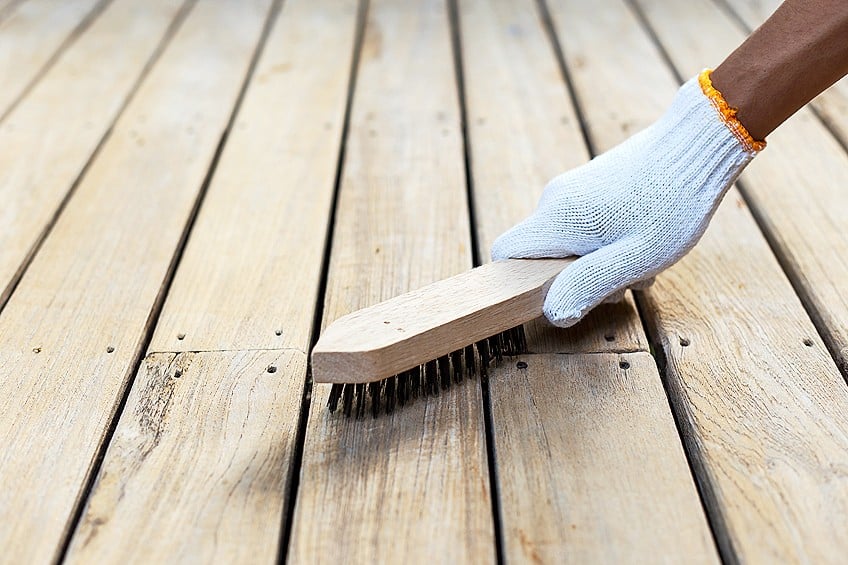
(797, 53)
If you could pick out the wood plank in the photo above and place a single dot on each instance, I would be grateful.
(590, 466)
(810, 238)
(228, 426)
(199, 464)
(72, 330)
(59, 125)
(407, 487)
(763, 414)
(257, 230)
(524, 131)
(832, 107)
(31, 34)
(803, 163)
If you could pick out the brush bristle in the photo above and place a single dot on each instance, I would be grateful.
(427, 379)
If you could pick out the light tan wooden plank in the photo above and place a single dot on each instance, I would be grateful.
(590, 465)
(263, 226)
(48, 138)
(414, 485)
(819, 231)
(763, 414)
(832, 106)
(197, 467)
(796, 187)
(589, 462)
(69, 334)
(222, 459)
(523, 132)
(31, 34)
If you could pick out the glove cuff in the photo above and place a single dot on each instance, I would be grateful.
(728, 113)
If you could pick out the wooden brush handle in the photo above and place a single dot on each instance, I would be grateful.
(382, 340)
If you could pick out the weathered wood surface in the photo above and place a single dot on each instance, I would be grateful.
(523, 131)
(762, 413)
(200, 465)
(590, 466)
(249, 276)
(31, 34)
(416, 484)
(46, 141)
(227, 487)
(72, 330)
(197, 470)
(581, 444)
(797, 189)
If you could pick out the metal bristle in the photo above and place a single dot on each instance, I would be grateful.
(335, 395)
(347, 399)
(485, 356)
(427, 379)
(391, 384)
(470, 360)
(431, 378)
(374, 390)
(416, 382)
(360, 400)
(456, 364)
(445, 372)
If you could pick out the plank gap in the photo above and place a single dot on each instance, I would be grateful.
(306, 400)
(156, 310)
(171, 30)
(77, 31)
(488, 418)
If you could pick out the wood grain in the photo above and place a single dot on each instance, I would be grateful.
(804, 161)
(590, 467)
(199, 462)
(33, 33)
(259, 239)
(762, 412)
(74, 326)
(522, 131)
(414, 485)
(218, 441)
(427, 323)
(46, 141)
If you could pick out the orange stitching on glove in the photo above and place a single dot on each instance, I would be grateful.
(728, 113)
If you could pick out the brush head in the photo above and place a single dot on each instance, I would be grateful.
(406, 331)
(427, 379)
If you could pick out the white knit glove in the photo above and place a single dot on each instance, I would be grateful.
(638, 208)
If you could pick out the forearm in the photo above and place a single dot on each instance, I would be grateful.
(796, 54)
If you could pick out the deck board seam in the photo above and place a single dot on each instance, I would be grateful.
(296, 464)
(224, 350)
(76, 32)
(681, 410)
(150, 325)
(720, 536)
(7, 292)
(455, 31)
(793, 276)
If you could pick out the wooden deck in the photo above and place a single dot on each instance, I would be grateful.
(190, 190)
